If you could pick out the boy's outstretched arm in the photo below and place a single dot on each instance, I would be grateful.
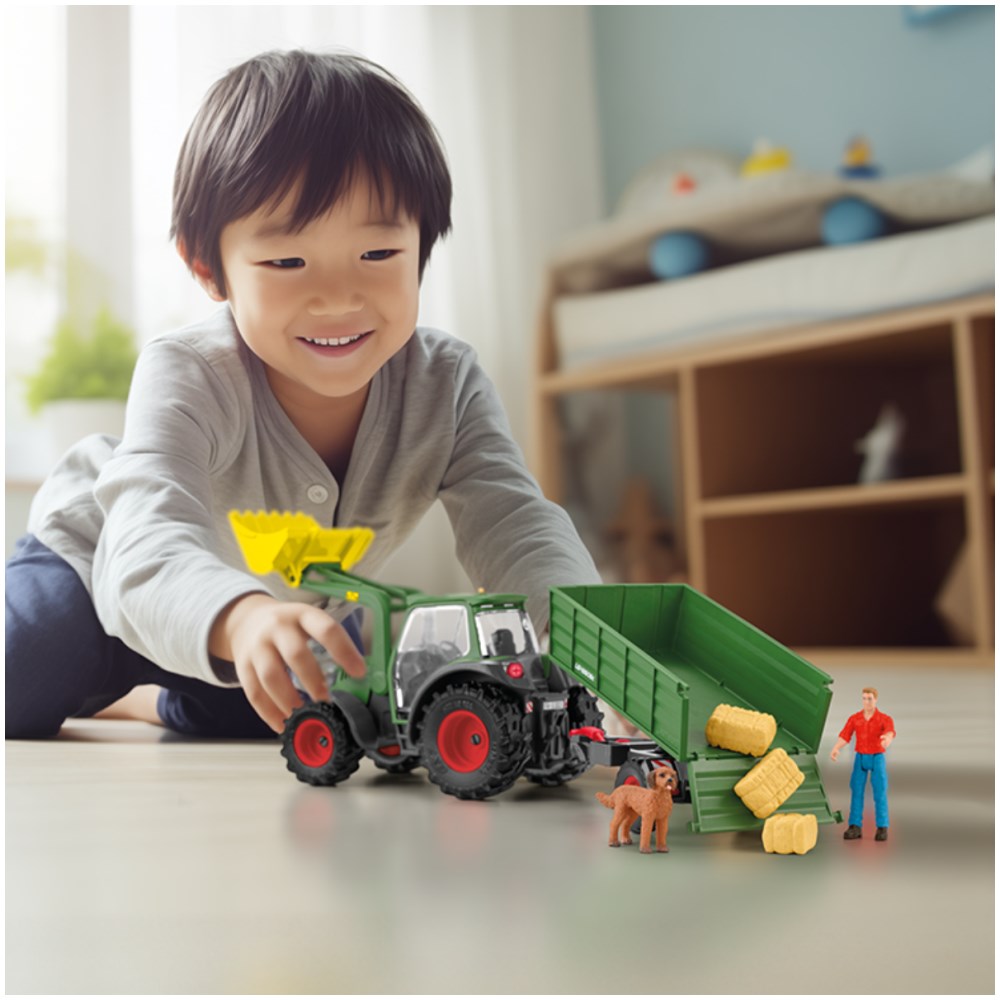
(260, 636)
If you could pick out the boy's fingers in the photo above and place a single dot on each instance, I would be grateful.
(270, 713)
(262, 703)
(301, 661)
(276, 680)
(333, 637)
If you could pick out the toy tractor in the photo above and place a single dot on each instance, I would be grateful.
(465, 692)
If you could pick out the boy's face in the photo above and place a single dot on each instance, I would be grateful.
(326, 307)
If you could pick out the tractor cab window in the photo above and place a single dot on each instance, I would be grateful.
(506, 632)
(431, 638)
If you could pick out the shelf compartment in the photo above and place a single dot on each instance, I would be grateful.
(854, 577)
(791, 421)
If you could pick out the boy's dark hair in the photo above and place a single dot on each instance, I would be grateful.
(324, 118)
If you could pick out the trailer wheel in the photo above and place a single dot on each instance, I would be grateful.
(318, 746)
(472, 741)
(632, 773)
(583, 712)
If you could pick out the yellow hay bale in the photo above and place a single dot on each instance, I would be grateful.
(769, 783)
(790, 833)
(741, 729)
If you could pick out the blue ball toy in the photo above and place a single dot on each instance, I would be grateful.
(678, 254)
(852, 220)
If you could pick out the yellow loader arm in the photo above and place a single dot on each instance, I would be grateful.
(288, 543)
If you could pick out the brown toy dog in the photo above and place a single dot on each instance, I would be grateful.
(652, 804)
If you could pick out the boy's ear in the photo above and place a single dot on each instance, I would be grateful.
(202, 275)
(204, 278)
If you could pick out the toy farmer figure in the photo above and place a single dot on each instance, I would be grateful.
(873, 731)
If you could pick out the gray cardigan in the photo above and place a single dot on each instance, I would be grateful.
(143, 521)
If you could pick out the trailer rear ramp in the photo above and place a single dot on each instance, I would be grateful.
(664, 656)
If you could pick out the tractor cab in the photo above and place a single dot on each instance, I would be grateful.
(432, 637)
(467, 631)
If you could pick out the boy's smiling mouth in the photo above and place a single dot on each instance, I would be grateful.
(335, 345)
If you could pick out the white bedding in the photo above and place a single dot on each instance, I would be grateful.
(808, 286)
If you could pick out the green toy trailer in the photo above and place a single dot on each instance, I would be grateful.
(466, 693)
(665, 656)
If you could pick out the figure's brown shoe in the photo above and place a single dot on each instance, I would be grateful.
(852, 833)
(882, 833)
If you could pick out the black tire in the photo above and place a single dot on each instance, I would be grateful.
(472, 741)
(318, 746)
(583, 711)
(632, 773)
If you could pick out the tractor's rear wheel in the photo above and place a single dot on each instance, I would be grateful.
(472, 741)
(318, 746)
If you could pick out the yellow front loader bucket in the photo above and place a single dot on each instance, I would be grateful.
(288, 543)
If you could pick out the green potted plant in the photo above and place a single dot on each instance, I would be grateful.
(82, 383)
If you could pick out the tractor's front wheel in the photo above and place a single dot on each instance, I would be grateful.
(318, 745)
(472, 741)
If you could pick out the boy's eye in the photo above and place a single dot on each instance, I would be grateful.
(379, 254)
(286, 262)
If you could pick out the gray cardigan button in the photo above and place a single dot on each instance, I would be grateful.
(317, 493)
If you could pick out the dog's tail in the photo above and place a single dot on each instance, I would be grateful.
(605, 800)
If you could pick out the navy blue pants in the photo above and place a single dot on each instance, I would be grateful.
(61, 664)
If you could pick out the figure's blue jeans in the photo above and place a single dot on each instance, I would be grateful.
(865, 765)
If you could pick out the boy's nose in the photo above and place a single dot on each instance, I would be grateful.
(334, 299)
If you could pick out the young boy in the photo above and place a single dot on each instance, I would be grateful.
(309, 192)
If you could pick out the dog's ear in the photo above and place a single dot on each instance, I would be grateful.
(653, 775)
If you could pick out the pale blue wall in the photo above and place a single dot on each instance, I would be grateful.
(806, 77)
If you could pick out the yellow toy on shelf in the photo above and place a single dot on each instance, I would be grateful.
(766, 159)
(857, 160)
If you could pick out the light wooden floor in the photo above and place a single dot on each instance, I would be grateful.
(138, 862)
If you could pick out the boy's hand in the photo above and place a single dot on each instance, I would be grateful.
(261, 636)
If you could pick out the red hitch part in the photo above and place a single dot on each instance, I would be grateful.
(591, 732)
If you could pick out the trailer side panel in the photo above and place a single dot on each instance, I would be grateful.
(587, 640)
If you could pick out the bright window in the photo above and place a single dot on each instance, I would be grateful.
(35, 223)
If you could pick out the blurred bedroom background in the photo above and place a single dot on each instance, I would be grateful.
(731, 269)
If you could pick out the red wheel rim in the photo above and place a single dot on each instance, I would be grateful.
(463, 741)
(313, 742)
(631, 780)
